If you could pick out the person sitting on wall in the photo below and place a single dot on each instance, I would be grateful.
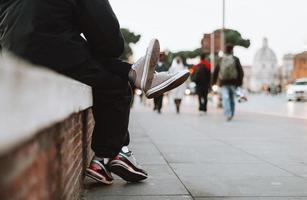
(48, 33)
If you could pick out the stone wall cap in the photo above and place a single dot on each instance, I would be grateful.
(33, 98)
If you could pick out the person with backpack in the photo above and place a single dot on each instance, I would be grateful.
(228, 74)
(202, 79)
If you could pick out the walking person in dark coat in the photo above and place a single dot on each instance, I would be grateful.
(228, 74)
(48, 33)
(202, 78)
(161, 67)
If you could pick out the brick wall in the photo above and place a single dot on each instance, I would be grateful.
(51, 165)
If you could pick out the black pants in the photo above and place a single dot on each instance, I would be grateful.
(158, 101)
(177, 104)
(111, 103)
(203, 99)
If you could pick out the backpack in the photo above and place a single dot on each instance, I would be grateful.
(228, 69)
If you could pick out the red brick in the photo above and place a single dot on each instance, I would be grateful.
(50, 165)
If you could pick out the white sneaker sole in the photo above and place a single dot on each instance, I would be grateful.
(170, 84)
(151, 60)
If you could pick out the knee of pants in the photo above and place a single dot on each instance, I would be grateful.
(102, 79)
(112, 87)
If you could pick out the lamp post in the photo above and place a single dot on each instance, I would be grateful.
(222, 39)
(212, 51)
(223, 13)
(223, 28)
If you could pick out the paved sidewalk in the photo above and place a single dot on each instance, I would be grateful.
(188, 156)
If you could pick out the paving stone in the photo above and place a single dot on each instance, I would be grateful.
(162, 182)
(141, 198)
(252, 198)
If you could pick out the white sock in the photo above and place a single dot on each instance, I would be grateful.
(125, 149)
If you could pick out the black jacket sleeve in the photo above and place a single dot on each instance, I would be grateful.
(240, 72)
(101, 28)
(196, 75)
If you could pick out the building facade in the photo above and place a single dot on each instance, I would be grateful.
(286, 70)
(300, 66)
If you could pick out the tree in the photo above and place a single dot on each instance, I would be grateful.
(231, 36)
(130, 38)
(184, 55)
(235, 38)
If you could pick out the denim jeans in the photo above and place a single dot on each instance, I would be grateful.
(228, 99)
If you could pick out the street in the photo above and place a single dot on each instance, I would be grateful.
(275, 105)
(260, 155)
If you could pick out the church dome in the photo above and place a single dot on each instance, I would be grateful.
(264, 69)
(265, 53)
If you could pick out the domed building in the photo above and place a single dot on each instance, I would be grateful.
(264, 69)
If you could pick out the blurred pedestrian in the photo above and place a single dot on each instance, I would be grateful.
(228, 74)
(48, 33)
(178, 93)
(278, 88)
(161, 67)
(202, 78)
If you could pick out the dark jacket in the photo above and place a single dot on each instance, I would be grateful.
(47, 32)
(202, 76)
(236, 82)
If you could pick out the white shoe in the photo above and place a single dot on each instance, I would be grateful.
(165, 81)
(145, 66)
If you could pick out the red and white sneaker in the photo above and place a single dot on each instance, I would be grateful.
(99, 172)
(125, 166)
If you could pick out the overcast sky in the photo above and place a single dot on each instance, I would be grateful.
(180, 24)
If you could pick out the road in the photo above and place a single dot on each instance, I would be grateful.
(275, 105)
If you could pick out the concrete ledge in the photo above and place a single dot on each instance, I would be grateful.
(46, 124)
(33, 98)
